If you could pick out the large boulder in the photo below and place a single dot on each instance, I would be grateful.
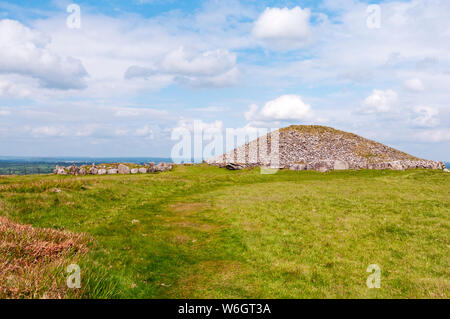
(151, 167)
(82, 171)
(142, 170)
(320, 166)
(298, 167)
(395, 165)
(340, 165)
(112, 171)
(102, 171)
(61, 171)
(73, 169)
(162, 167)
(134, 171)
(93, 170)
(123, 169)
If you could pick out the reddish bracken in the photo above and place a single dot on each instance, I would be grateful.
(31, 258)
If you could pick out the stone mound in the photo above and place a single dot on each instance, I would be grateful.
(321, 148)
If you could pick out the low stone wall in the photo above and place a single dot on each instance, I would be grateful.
(328, 165)
(113, 168)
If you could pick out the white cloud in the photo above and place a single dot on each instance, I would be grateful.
(434, 135)
(210, 109)
(13, 86)
(138, 112)
(286, 108)
(207, 63)
(214, 68)
(199, 125)
(379, 102)
(25, 52)
(414, 84)
(51, 131)
(146, 132)
(426, 116)
(227, 79)
(283, 28)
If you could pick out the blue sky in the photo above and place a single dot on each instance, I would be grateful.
(134, 70)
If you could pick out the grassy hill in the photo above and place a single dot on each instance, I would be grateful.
(205, 232)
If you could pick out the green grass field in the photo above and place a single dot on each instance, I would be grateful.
(205, 232)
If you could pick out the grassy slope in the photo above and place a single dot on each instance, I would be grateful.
(208, 232)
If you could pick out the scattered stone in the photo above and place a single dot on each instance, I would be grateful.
(135, 221)
(55, 190)
(111, 169)
(446, 170)
(162, 167)
(123, 169)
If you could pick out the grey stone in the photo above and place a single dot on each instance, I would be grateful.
(318, 143)
(320, 166)
(162, 167)
(123, 169)
(142, 170)
(340, 165)
(298, 167)
(395, 165)
(101, 171)
(151, 167)
(134, 171)
(93, 170)
(112, 171)
(73, 169)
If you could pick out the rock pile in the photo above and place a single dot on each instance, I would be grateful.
(320, 148)
(113, 168)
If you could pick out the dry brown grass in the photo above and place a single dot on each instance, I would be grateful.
(188, 208)
(33, 260)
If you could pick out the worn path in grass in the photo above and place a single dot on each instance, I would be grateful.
(204, 232)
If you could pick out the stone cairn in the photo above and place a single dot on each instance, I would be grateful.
(120, 168)
(319, 148)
